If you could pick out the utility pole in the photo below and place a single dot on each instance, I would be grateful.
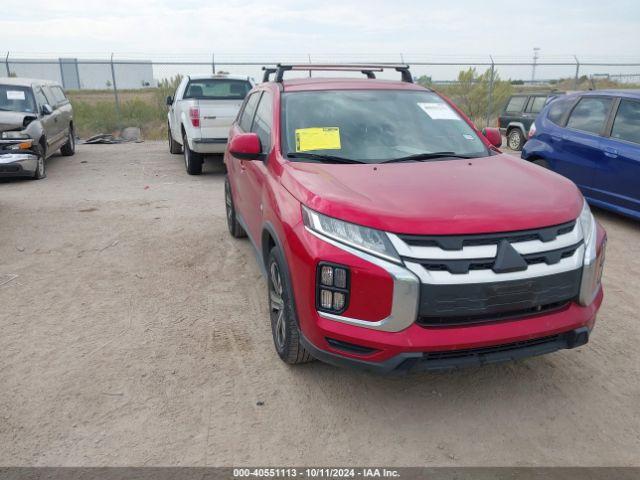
(535, 61)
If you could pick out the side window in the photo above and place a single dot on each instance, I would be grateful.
(516, 104)
(590, 114)
(58, 94)
(40, 98)
(557, 110)
(626, 126)
(246, 119)
(536, 104)
(48, 92)
(263, 120)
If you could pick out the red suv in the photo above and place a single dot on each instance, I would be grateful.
(395, 236)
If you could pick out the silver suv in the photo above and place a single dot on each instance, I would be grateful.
(36, 120)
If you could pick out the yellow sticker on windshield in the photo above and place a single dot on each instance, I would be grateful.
(327, 138)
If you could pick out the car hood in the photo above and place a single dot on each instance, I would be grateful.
(13, 120)
(492, 194)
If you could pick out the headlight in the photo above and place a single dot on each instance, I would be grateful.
(588, 225)
(13, 135)
(593, 263)
(367, 239)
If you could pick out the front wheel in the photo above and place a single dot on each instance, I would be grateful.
(284, 327)
(69, 148)
(515, 139)
(40, 172)
(192, 160)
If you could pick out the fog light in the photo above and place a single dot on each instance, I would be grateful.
(326, 275)
(332, 287)
(326, 299)
(338, 301)
(340, 279)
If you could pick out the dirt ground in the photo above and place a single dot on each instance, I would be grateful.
(135, 332)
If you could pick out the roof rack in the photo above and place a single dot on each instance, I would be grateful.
(267, 73)
(366, 69)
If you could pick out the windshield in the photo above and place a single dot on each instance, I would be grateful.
(374, 126)
(217, 89)
(16, 99)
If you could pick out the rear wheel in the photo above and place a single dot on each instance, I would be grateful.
(235, 229)
(174, 147)
(69, 148)
(515, 139)
(192, 160)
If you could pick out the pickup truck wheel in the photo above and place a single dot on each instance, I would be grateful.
(235, 229)
(284, 327)
(174, 147)
(40, 172)
(69, 148)
(515, 139)
(192, 160)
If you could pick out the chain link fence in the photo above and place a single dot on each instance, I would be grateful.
(119, 91)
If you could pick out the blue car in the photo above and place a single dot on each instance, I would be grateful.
(593, 138)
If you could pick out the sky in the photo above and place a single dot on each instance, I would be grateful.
(326, 30)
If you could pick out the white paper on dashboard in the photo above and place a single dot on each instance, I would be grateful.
(438, 111)
(15, 95)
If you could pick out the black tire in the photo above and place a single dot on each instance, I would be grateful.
(284, 325)
(515, 139)
(174, 147)
(235, 229)
(69, 148)
(192, 160)
(541, 163)
(41, 171)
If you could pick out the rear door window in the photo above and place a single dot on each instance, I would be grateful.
(626, 125)
(558, 109)
(590, 114)
(516, 104)
(536, 104)
(246, 119)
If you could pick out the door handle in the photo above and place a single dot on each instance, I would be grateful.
(611, 152)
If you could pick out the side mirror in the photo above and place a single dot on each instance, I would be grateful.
(493, 135)
(46, 109)
(245, 146)
(169, 100)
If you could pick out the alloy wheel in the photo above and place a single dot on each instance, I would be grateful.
(276, 304)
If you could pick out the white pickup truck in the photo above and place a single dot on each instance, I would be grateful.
(201, 113)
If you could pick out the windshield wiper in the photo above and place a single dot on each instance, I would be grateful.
(323, 158)
(426, 156)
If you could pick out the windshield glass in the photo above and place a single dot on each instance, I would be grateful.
(16, 99)
(217, 89)
(373, 126)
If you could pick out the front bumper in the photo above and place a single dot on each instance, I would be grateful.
(18, 164)
(413, 362)
(370, 335)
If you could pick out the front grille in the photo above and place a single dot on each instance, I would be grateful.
(457, 242)
(435, 321)
(456, 304)
(460, 267)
